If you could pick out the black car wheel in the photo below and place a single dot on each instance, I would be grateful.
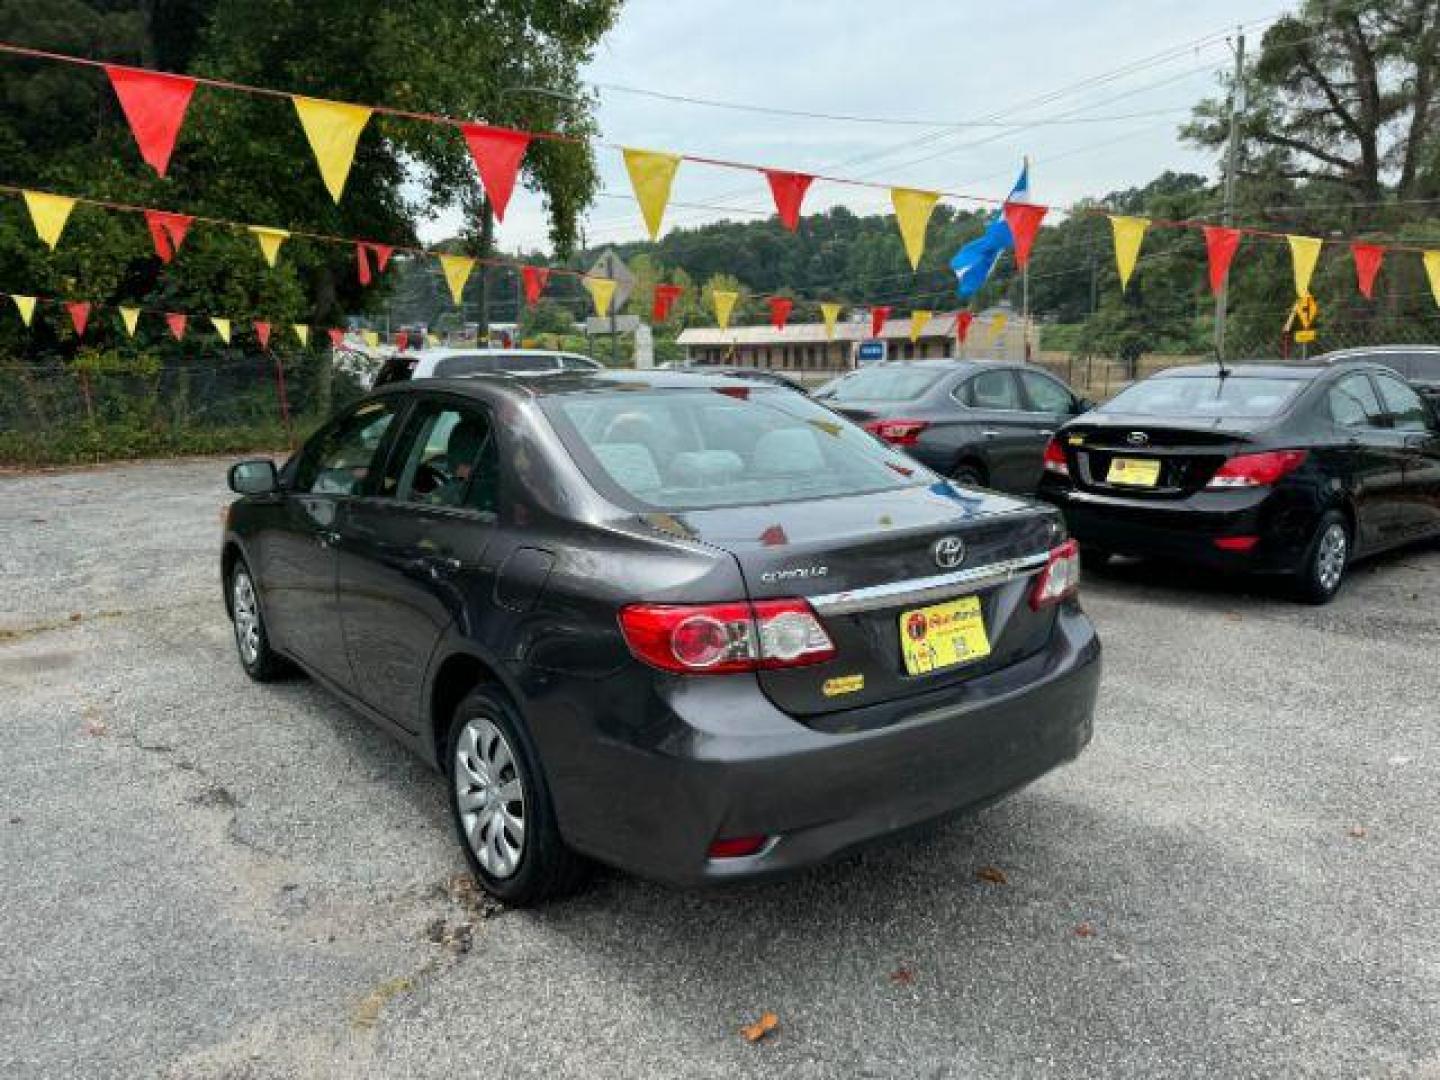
(1323, 570)
(260, 661)
(501, 806)
(968, 476)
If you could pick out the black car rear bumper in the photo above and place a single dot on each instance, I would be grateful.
(731, 765)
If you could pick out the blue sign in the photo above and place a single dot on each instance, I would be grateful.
(870, 352)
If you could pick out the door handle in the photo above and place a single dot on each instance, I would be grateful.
(1047, 432)
(990, 434)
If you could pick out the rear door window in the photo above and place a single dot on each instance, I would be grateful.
(1353, 403)
(1045, 394)
(1407, 412)
(992, 390)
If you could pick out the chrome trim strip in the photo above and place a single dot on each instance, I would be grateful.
(919, 590)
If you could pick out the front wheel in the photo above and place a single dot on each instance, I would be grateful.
(501, 806)
(1323, 568)
(260, 661)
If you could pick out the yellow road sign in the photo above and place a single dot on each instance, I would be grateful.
(1304, 336)
(1307, 310)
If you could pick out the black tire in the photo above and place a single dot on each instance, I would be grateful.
(968, 475)
(1317, 580)
(545, 867)
(252, 642)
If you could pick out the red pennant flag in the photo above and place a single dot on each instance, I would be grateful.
(1220, 245)
(402, 340)
(167, 232)
(337, 336)
(363, 250)
(1367, 264)
(963, 319)
(262, 333)
(1024, 221)
(497, 153)
(382, 253)
(878, 315)
(789, 190)
(665, 297)
(79, 315)
(155, 105)
(535, 279)
(780, 311)
(176, 320)
(362, 263)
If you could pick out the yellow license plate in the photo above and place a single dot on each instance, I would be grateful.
(944, 635)
(1136, 472)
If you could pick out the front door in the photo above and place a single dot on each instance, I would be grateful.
(298, 576)
(410, 555)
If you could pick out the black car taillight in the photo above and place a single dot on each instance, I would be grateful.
(897, 432)
(1055, 458)
(1257, 470)
(1060, 579)
(713, 639)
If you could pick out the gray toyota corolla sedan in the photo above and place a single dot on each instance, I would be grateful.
(694, 627)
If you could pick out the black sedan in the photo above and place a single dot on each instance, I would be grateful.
(1277, 469)
(983, 423)
(693, 627)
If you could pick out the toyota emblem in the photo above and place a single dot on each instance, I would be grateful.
(949, 552)
(1138, 438)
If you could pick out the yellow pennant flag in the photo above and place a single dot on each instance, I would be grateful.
(270, 241)
(724, 302)
(650, 176)
(49, 214)
(26, 307)
(371, 339)
(997, 326)
(1432, 271)
(918, 319)
(432, 340)
(1304, 251)
(602, 291)
(1129, 233)
(333, 129)
(131, 317)
(457, 271)
(222, 327)
(302, 332)
(830, 313)
(912, 214)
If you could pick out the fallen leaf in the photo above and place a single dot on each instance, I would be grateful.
(1358, 832)
(75, 616)
(902, 976)
(993, 874)
(367, 1013)
(1085, 930)
(762, 1027)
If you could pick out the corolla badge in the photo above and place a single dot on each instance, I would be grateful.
(949, 552)
(1138, 438)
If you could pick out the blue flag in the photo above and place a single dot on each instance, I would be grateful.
(973, 262)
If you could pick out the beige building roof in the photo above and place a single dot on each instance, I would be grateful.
(998, 327)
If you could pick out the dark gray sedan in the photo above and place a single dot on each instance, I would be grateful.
(983, 423)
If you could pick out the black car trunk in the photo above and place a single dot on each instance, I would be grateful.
(1187, 455)
(867, 561)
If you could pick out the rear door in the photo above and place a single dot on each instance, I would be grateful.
(1413, 421)
(1049, 403)
(1010, 442)
(1373, 456)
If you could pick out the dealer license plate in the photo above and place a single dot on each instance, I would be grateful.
(943, 635)
(1134, 472)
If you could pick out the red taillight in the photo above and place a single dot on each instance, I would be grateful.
(737, 847)
(708, 639)
(1257, 470)
(897, 432)
(1055, 459)
(1236, 543)
(1060, 579)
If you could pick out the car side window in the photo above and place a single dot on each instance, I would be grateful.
(1353, 403)
(1407, 411)
(1045, 394)
(341, 457)
(993, 390)
(446, 458)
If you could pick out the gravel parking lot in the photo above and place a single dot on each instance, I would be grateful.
(203, 877)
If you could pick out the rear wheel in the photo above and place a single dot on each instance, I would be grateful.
(260, 661)
(1320, 574)
(968, 475)
(500, 803)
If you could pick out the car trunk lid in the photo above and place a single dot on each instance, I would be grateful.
(1141, 458)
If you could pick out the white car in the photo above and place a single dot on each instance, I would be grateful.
(442, 363)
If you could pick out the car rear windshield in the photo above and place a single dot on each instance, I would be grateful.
(883, 384)
(1206, 396)
(689, 449)
(482, 364)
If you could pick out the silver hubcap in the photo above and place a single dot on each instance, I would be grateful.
(490, 796)
(1330, 561)
(246, 617)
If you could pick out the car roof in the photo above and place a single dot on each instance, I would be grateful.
(540, 384)
(1252, 370)
(1360, 351)
(442, 351)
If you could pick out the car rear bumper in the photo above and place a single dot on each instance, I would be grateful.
(1187, 530)
(731, 765)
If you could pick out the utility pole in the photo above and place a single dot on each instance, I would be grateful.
(1232, 161)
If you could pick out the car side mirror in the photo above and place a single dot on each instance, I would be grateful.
(258, 477)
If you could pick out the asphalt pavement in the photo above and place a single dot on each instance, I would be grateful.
(203, 877)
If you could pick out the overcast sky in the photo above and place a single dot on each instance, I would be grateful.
(1129, 71)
